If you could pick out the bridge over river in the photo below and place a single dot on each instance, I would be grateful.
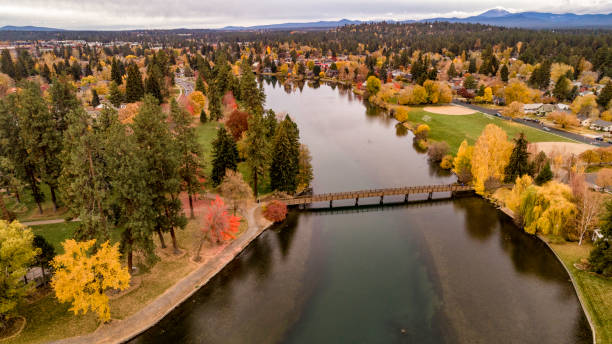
(381, 193)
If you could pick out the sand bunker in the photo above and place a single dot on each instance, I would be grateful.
(562, 148)
(449, 110)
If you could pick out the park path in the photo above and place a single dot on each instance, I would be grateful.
(119, 331)
(45, 222)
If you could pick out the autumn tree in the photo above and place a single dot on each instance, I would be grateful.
(189, 150)
(16, 256)
(437, 150)
(82, 276)
(305, 174)
(547, 209)
(518, 165)
(238, 123)
(225, 156)
(462, 164)
(588, 204)
(218, 225)
(285, 157)
(604, 178)
(490, 156)
(197, 101)
(422, 132)
(235, 188)
(564, 119)
(372, 85)
(515, 109)
(585, 105)
(275, 211)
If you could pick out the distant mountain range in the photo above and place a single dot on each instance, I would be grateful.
(496, 17)
(28, 28)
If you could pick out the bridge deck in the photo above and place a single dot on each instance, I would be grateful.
(410, 190)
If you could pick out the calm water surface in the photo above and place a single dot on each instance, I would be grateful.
(427, 272)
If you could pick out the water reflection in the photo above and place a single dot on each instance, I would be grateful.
(426, 272)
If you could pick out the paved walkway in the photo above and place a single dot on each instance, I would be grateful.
(46, 222)
(123, 330)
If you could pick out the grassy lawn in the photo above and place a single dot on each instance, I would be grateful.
(595, 291)
(454, 129)
(206, 133)
(27, 210)
(56, 233)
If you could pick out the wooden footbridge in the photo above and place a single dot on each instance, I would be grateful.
(381, 193)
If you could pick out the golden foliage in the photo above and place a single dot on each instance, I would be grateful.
(127, 114)
(563, 119)
(197, 100)
(462, 164)
(519, 92)
(513, 199)
(515, 109)
(401, 114)
(491, 154)
(82, 277)
(585, 105)
(547, 209)
(447, 162)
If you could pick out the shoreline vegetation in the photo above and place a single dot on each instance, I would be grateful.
(594, 291)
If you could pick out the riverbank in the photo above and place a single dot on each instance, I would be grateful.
(594, 292)
(128, 328)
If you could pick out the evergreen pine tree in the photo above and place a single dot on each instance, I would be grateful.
(452, 72)
(605, 96)
(6, 63)
(225, 156)
(152, 86)
(199, 86)
(95, 100)
(562, 88)
(472, 66)
(114, 94)
(214, 107)
(518, 164)
(284, 167)
(190, 165)
(600, 258)
(116, 74)
(134, 89)
(257, 148)
(545, 175)
(202, 116)
(503, 73)
(251, 96)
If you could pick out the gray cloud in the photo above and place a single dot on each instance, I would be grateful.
(120, 14)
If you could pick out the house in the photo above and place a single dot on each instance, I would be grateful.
(584, 120)
(602, 125)
(532, 108)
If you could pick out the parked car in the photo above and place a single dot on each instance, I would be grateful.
(497, 114)
(546, 128)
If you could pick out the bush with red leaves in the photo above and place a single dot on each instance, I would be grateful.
(237, 123)
(275, 211)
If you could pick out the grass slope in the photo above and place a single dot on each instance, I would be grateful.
(454, 129)
(595, 291)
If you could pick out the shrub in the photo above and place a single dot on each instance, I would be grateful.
(237, 123)
(447, 162)
(401, 114)
(421, 132)
(437, 151)
(275, 211)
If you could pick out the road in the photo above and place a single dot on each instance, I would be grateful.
(183, 83)
(562, 133)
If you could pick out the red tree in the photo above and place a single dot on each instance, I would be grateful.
(275, 211)
(218, 223)
(237, 123)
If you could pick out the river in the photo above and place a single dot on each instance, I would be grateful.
(445, 271)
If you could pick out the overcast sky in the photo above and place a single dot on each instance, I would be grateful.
(164, 14)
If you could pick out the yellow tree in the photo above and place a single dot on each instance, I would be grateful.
(515, 109)
(585, 105)
(463, 162)
(513, 201)
(548, 209)
(491, 154)
(517, 91)
(82, 277)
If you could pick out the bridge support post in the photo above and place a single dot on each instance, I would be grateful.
(357, 201)
(381, 199)
(406, 198)
(331, 203)
(430, 195)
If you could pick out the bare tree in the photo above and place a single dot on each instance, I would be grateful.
(235, 188)
(588, 203)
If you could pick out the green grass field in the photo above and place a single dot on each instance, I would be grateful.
(454, 129)
(206, 133)
(596, 291)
